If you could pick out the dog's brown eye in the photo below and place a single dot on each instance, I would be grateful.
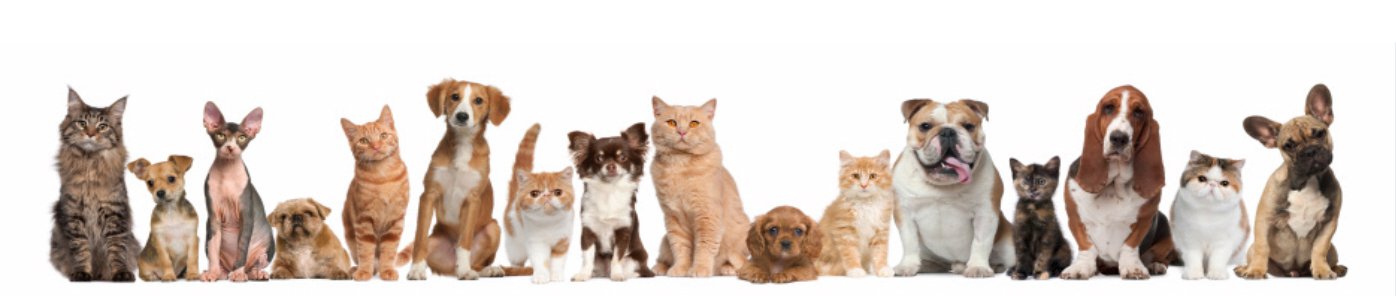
(534, 193)
(925, 126)
(1318, 134)
(455, 97)
(1108, 109)
(799, 232)
(1139, 113)
(672, 123)
(1289, 144)
(969, 127)
(620, 157)
(1226, 183)
(557, 192)
(773, 231)
(1202, 179)
(170, 179)
(478, 101)
(150, 183)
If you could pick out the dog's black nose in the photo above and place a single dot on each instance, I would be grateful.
(462, 117)
(297, 218)
(1118, 139)
(160, 193)
(1309, 152)
(785, 245)
(947, 133)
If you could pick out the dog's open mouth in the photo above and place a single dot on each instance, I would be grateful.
(951, 164)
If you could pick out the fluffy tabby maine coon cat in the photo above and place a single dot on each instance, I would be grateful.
(1209, 217)
(92, 239)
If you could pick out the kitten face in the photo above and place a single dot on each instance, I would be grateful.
(545, 193)
(610, 158)
(1035, 182)
(90, 128)
(1214, 178)
(864, 176)
(684, 128)
(372, 141)
(231, 138)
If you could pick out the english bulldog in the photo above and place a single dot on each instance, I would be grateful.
(943, 179)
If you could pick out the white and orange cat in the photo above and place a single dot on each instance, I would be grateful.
(855, 226)
(1209, 217)
(706, 226)
(537, 219)
(377, 199)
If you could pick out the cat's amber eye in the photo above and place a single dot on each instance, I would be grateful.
(102, 127)
(1202, 178)
(1226, 183)
(384, 135)
(557, 192)
(242, 138)
(857, 176)
(872, 176)
(693, 124)
(218, 137)
(363, 141)
(534, 193)
(672, 123)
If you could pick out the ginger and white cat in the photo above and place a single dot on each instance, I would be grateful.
(538, 218)
(1209, 217)
(706, 226)
(855, 226)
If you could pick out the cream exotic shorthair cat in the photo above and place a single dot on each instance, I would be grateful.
(537, 219)
(706, 226)
(855, 226)
(1209, 217)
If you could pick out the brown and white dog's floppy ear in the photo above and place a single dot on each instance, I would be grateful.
(813, 242)
(271, 219)
(1148, 162)
(755, 242)
(138, 167)
(1092, 171)
(1320, 104)
(499, 105)
(978, 107)
(182, 163)
(436, 96)
(909, 107)
(320, 209)
(1262, 129)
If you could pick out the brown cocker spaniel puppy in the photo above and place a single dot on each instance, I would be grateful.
(784, 244)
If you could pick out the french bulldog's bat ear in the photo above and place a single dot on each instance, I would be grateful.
(909, 107)
(182, 163)
(1320, 104)
(138, 167)
(271, 219)
(1263, 129)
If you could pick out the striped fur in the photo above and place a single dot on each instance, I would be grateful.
(91, 238)
(377, 199)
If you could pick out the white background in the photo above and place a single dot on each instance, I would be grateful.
(795, 85)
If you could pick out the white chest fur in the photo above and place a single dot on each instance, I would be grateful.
(943, 215)
(1306, 207)
(606, 207)
(176, 232)
(457, 181)
(1107, 215)
(871, 215)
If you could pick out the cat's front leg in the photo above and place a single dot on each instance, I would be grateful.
(120, 245)
(680, 245)
(74, 229)
(708, 241)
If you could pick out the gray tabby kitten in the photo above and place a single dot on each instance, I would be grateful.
(92, 237)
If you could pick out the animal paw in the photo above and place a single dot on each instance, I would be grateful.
(168, 277)
(467, 274)
(237, 276)
(907, 269)
(212, 275)
(856, 273)
(618, 275)
(388, 274)
(1157, 268)
(726, 270)
(193, 276)
(1323, 272)
(80, 276)
(1133, 271)
(1250, 273)
(362, 274)
(540, 278)
(1079, 271)
(1190, 274)
(679, 271)
(492, 271)
(281, 274)
(782, 278)
(885, 271)
(660, 269)
(978, 272)
(257, 275)
(1043, 275)
(123, 276)
(1017, 274)
(702, 272)
(418, 272)
(581, 276)
(1217, 274)
(337, 275)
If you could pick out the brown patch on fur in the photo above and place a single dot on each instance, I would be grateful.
(784, 244)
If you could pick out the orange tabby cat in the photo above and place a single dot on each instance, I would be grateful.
(377, 200)
(855, 226)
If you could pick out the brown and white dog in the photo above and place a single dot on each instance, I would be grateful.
(1113, 192)
(943, 179)
(458, 191)
(1298, 212)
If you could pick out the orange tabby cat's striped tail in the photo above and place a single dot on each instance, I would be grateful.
(523, 160)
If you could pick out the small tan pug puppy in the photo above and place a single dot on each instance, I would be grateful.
(305, 247)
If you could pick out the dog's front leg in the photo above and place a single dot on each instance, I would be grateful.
(426, 208)
(162, 259)
(589, 245)
(1131, 267)
(1258, 257)
(1318, 258)
(468, 226)
(191, 259)
(1085, 265)
(911, 244)
(985, 224)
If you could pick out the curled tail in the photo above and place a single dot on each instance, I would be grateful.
(523, 160)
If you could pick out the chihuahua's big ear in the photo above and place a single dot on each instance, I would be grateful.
(636, 137)
(1320, 104)
(1262, 129)
(436, 96)
(499, 105)
(182, 163)
(580, 145)
(252, 123)
(213, 118)
(138, 167)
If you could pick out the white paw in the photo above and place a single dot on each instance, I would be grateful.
(492, 271)
(581, 277)
(467, 274)
(1079, 271)
(1219, 274)
(618, 275)
(418, 272)
(856, 273)
(1189, 274)
(540, 278)
(884, 272)
(906, 269)
(978, 272)
(1133, 270)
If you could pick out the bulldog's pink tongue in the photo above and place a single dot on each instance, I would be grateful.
(961, 169)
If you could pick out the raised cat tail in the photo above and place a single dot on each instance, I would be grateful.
(523, 160)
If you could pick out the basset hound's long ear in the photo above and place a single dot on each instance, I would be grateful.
(755, 242)
(435, 96)
(1092, 173)
(813, 242)
(499, 105)
(1148, 162)
(909, 107)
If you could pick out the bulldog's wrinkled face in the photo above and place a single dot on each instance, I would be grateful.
(945, 138)
(298, 219)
